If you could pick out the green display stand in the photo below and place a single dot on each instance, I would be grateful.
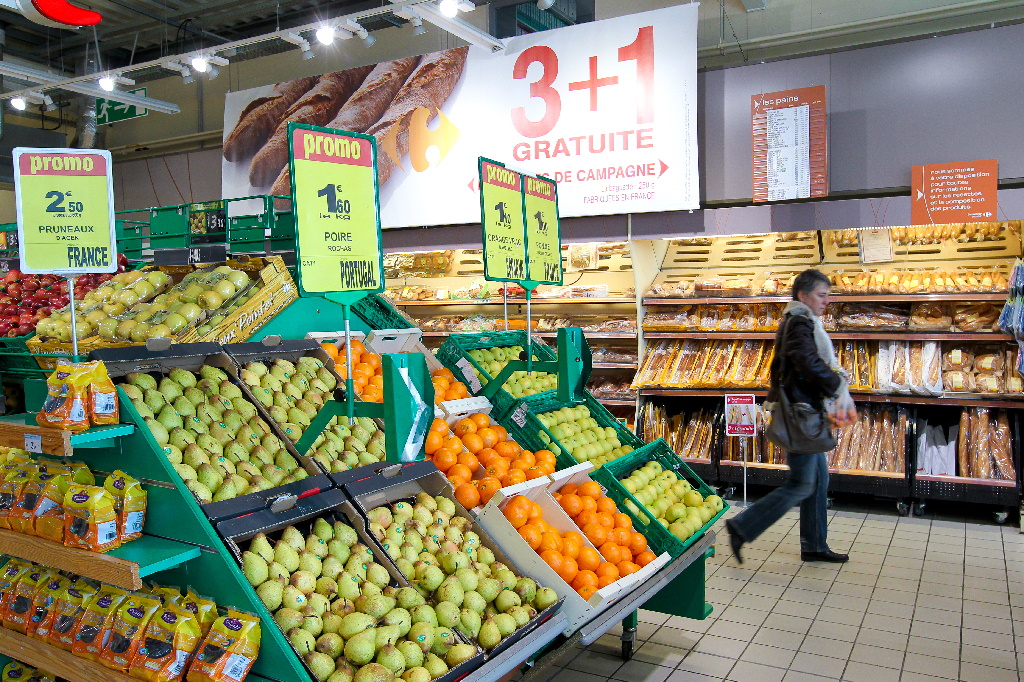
(308, 314)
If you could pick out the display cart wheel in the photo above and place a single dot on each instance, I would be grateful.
(1002, 515)
(728, 493)
(829, 503)
(627, 650)
(902, 508)
(919, 508)
(628, 636)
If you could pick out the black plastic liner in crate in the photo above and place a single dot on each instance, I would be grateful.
(191, 356)
(331, 506)
(399, 483)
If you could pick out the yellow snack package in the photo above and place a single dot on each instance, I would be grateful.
(128, 628)
(67, 611)
(43, 602)
(203, 608)
(17, 672)
(67, 397)
(228, 651)
(95, 621)
(11, 575)
(130, 503)
(102, 397)
(168, 595)
(90, 520)
(19, 607)
(22, 517)
(49, 511)
(171, 638)
(80, 473)
(10, 493)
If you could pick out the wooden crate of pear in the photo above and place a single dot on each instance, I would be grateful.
(433, 542)
(345, 610)
(214, 436)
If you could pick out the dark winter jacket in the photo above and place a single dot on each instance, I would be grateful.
(807, 378)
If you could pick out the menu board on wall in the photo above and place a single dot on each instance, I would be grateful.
(606, 109)
(965, 192)
(790, 144)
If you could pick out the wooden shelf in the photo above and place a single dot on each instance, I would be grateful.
(123, 567)
(21, 431)
(614, 365)
(958, 400)
(517, 301)
(616, 402)
(837, 298)
(64, 664)
(840, 334)
(550, 335)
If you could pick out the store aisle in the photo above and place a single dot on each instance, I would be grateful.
(920, 600)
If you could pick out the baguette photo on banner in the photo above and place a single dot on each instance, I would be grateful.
(581, 105)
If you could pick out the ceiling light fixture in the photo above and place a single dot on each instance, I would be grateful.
(545, 4)
(417, 24)
(107, 83)
(361, 33)
(449, 8)
(48, 102)
(18, 103)
(200, 64)
(300, 42)
(325, 34)
(459, 28)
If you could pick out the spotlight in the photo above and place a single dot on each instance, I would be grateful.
(368, 40)
(449, 8)
(48, 103)
(187, 77)
(18, 103)
(200, 64)
(325, 34)
(545, 4)
(107, 83)
(212, 72)
(417, 25)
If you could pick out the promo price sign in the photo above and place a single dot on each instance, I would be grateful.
(740, 415)
(501, 214)
(543, 238)
(337, 213)
(65, 204)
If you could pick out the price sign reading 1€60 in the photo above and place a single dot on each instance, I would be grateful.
(337, 214)
(65, 204)
(501, 208)
(543, 236)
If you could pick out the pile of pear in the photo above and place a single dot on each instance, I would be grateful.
(437, 550)
(211, 433)
(347, 444)
(342, 614)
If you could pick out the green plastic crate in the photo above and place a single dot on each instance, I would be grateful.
(14, 354)
(379, 314)
(658, 537)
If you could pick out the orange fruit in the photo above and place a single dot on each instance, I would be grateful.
(546, 468)
(470, 460)
(589, 558)
(568, 488)
(451, 394)
(464, 426)
(497, 469)
(553, 559)
(377, 380)
(544, 454)
(520, 464)
(528, 457)
(585, 517)
(568, 570)
(589, 503)
(622, 520)
(551, 540)
(591, 489)
(486, 455)
(584, 579)
(596, 533)
(445, 459)
(506, 448)
(533, 473)
(606, 520)
(453, 443)
(460, 471)
(372, 394)
(637, 543)
(467, 495)
(572, 543)
(362, 368)
(606, 568)
(502, 433)
(644, 558)
(487, 487)
(532, 534)
(473, 442)
(621, 537)
(604, 581)
(517, 511)
(515, 477)
(611, 552)
(627, 568)
(371, 359)
(443, 372)
(331, 350)
(439, 425)
(357, 348)
(481, 420)
(488, 436)
(587, 591)
(571, 504)
(535, 510)
(433, 442)
(606, 505)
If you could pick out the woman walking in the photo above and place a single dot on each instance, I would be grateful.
(805, 367)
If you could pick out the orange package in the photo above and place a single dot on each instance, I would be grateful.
(21, 517)
(229, 650)
(102, 397)
(67, 397)
(91, 629)
(90, 519)
(171, 638)
(19, 606)
(68, 610)
(13, 570)
(43, 612)
(127, 630)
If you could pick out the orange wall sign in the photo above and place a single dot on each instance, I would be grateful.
(963, 192)
(790, 144)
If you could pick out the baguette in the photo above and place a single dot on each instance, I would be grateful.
(1001, 449)
(316, 107)
(964, 443)
(428, 87)
(259, 119)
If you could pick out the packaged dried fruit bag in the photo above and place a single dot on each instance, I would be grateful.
(17, 672)
(228, 651)
(203, 608)
(127, 630)
(67, 397)
(90, 520)
(10, 576)
(129, 502)
(10, 492)
(102, 397)
(68, 610)
(171, 638)
(43, 602)
(22, 516)
(96, 620)
(19, 606)
(49, 511)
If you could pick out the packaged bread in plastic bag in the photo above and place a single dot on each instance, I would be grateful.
(957, 359)
(69, 608)
(171, 638)
(67, 397)
(90, 520)
(43, 602)
(96, 620)
(129, 502)
(228, 651)
(127, 630)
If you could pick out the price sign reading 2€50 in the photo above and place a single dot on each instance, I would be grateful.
(337, 213)
(65, 204)
(501, 208)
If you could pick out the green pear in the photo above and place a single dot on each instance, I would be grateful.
(182, 377)
(226, 491)
(360, 649)
(271, 593)
(201, 492)
(255, 568)
(244, 408)
(293, 598)
(186, 472)
(505, 622)
(376, 606)
(489, 636)
(158, 430)
(279, 572)
(331, 644)
(286, 555)
(412, 653)
(179, 437)
(354, 623)
(293, 537)
(287, 619)
(260, 545)
(170, 388)
(301, 640)
(169, 417)
(142, 380)
(392, 659)
(154, 400)
(435, 666)
(444, 639)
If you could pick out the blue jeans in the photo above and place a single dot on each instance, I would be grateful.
(808, 487)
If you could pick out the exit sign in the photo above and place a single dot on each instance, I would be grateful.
(112, 111)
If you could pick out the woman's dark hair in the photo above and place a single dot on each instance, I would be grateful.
(808, 280)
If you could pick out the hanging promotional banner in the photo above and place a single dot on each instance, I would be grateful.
(543, 235)
(337, 223)
(607, 109)
(965, 192)
(501, 217)
(65, 205)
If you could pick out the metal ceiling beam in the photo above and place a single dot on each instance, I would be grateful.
(85, 85)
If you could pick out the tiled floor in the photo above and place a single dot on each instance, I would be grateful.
(919, 600)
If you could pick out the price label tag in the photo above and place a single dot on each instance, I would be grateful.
(33, 443)
(543, 236)
(519, 416)
(65, 203)
(501, 215)
(213, 253)
(337, 214)
(470, 374)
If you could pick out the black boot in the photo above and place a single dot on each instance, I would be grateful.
(828, 555)
(735, 541)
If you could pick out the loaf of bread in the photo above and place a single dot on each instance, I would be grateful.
(963, 444)
(259, 118)
(1001, 453)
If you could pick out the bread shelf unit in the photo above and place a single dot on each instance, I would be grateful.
(837, 298)
(840, 334)
(959, 400)
(124, 567)
(615, 300)
(62, 663)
